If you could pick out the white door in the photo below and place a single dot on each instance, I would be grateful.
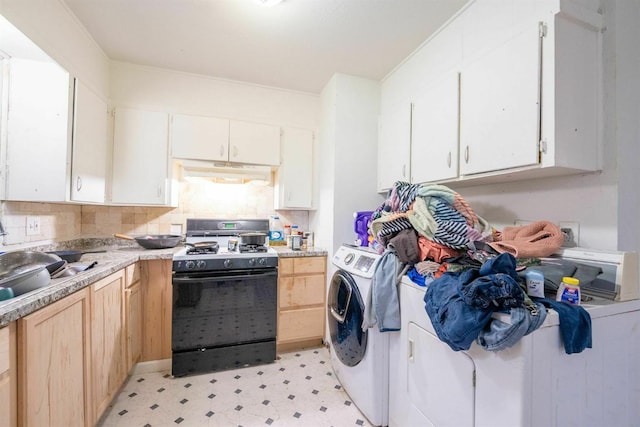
(89, 155)
(434, 132)
(295, 175)
(254, 143)
(500, 107)
(140, 157)
(394, 147)
(199, 138)
(440, 381)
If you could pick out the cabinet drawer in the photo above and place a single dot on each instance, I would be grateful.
(301, 291)
(302, 265)
(295, 325)
(132, 274)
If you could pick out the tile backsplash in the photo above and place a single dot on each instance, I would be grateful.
(61, 221)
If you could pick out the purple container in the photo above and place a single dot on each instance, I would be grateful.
(361, 227)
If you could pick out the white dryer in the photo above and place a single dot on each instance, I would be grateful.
(360, 358)
(534, 383)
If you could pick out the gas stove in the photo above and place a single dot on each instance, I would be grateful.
(208, 248)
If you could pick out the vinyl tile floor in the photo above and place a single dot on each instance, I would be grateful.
(298, 389)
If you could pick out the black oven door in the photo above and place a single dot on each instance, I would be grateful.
(223, 309)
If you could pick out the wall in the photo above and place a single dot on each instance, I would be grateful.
(60, 222)
(347, 158)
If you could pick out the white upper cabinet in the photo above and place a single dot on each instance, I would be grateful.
(90, 147)
(217, 139)
(199, 137)
(394, 146)
(528, 97)
(294, 186)
(141, 158)
(500, 106)
(254, 143)
(434, 131)
(38, 131)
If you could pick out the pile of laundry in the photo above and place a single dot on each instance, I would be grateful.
(430, 233)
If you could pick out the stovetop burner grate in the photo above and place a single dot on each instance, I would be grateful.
(202, 248)
(252, 248)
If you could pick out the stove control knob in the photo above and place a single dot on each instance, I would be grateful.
(262, 261)
(201, 264)
(252, 262)
(190, 265)
(227, 263)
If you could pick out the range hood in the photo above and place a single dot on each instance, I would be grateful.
(224, 172)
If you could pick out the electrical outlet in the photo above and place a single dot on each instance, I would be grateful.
(33, 226)
(571, 233)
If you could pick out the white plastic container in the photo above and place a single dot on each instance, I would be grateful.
(569, 291)
(276, 233)
(535, 283)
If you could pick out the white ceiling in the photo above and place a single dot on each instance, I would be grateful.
(297, 45)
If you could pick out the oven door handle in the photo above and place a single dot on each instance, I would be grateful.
(214, 278)
(341, 315)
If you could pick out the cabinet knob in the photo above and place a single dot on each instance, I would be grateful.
(221, 150)
(466, 154)
(78, 183)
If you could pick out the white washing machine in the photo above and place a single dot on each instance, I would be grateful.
(534, 383)
(360, 358)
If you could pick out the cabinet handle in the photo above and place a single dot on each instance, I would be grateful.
(78, 183)
(221, 150)
(159, 190)
(404, 170)
(235, 151)
(466, 154)
(410, 350)
(449, 160)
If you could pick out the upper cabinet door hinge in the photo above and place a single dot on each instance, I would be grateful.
(542, 29)
(542, 146)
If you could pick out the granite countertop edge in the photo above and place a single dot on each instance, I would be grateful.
(109, 262)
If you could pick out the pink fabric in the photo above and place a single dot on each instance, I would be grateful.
(538, 239)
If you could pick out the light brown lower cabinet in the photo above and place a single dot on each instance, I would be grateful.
(155, 276)
(54, 376)
(8, 377)
(301, 302)
(108, 336)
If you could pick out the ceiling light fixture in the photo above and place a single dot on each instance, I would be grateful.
(267, 3)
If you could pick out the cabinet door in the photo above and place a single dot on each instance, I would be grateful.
(107, 339)
(433, 372)
(89, 152)
(500, 107)
(295, 175)
(140, 157)
(38, 137)
(133, 304)
(254, 143)
(199, 138)
(54, 364)
(8, 376)
(394, 147)
(434, 132)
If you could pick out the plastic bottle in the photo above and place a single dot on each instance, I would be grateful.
(569, 291)
(294, 230)
(535, 283)
(276, 233)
